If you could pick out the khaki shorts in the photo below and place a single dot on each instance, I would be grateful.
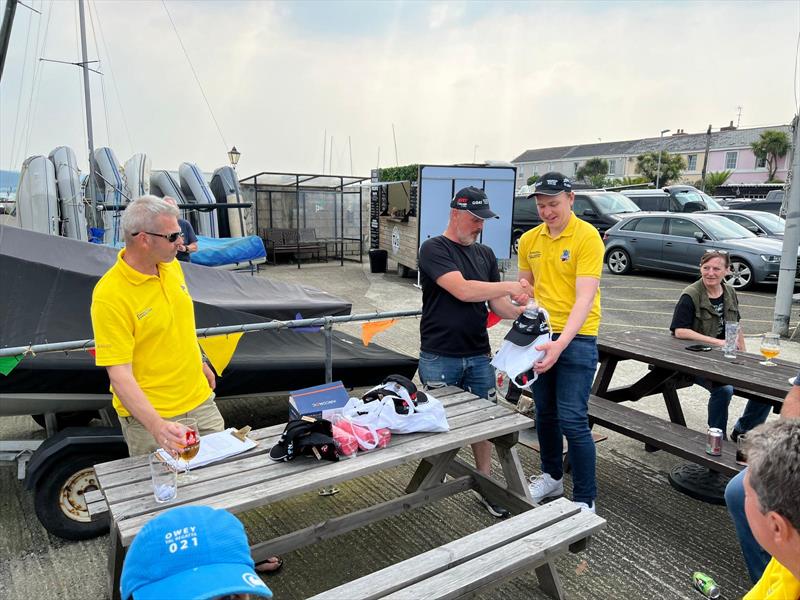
(141, 442)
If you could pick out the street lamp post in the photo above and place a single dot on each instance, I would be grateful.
(660, 151)
(474, 153)
(233, 156)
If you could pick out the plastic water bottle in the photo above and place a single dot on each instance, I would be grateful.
(705, 585)
(531, 309)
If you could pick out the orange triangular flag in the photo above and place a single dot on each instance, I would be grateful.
(370, 328)
(219, 349)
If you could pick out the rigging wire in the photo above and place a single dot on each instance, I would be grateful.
(19, 97)
(796, 56)
(102, 77)
(38, 80)
(113, 77)
(196, 78)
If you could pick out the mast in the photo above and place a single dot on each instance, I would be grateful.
(88, 100)
(5, 32)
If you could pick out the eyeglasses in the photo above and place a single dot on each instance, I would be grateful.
(170, 237)
(716, 253)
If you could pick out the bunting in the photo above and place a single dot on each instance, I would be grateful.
(9, 363)
(492, 319)
(370, 328)
(219, 349)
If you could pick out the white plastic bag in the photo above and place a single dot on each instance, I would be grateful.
(428, 415)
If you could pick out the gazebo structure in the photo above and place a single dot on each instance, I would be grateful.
(327, 210)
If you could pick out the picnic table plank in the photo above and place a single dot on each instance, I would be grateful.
(432, 562)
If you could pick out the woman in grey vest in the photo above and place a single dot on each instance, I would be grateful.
(700, 315)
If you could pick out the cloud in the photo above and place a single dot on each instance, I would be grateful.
(449, 76)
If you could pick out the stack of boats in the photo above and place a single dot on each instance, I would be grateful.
(51, 199)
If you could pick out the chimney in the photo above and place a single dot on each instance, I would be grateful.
(730, 127)
(679, 132)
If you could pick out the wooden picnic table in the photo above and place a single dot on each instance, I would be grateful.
(251, 480)
(672, 367)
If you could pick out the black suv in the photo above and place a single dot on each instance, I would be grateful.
(673, 198)
(600, 208)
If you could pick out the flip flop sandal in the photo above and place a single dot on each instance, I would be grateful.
(278, 562)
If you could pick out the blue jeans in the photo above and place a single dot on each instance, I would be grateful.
(472, 373)
(562, 406)
(754, 413)
(755, 557)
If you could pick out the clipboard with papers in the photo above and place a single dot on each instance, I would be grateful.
(213, 448)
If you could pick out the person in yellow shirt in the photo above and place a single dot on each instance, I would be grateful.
(772, 490)
(144, 328)
(563, 259)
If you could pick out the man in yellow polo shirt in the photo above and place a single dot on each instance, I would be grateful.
(563, 259)
(772, 489)
(144, 329)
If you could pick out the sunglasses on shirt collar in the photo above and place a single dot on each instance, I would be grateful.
(170, 237)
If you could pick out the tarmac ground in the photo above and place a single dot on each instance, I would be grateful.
(656, 537)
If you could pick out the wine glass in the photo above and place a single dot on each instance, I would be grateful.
(770, 348)
(190, 449)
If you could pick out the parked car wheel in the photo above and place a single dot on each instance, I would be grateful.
(741, 275)
(619, 261)
(515, 242)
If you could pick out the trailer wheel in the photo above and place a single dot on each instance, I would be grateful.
(77, 418)
(59, 496)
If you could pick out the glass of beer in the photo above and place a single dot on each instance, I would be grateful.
(190, 449)
(770, 348)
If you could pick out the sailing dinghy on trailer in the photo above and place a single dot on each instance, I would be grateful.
(196, 191)
(70, 200)
(137, 176)
(37, 198)
(233, 222)
(111, 188)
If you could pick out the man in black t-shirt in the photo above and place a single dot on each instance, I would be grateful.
(189, 242)
(458, 277)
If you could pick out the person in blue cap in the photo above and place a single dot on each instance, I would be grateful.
(191, 552)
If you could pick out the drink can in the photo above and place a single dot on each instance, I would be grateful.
(705, 585)
(714, 441)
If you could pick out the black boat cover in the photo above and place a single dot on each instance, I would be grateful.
(46, 285)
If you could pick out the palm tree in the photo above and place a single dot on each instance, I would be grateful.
(771, 146)
(714, 180)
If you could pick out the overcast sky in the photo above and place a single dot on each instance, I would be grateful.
(504, 77)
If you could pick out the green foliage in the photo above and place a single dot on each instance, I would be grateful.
(671, 166)
(532, 179)
(594, 171)
(620, 182)
(713, 181)
(404, 173)
(771, 146)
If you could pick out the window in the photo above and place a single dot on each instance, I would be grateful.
(730, 160)
(651, 202)
(691, 162)
(650, 225)
(630, 225)
(575, 167)
(761, 163)
(580, 205)
(683, 228)
(744, 222)
(612, 166)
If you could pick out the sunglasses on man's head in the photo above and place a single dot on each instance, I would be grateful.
(170, 237)
(716, 253)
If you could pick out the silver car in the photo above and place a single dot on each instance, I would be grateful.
(675, 242)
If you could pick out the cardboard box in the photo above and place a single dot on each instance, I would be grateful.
(321, 401)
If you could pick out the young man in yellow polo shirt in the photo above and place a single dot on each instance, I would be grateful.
(563, 259)
(144, 328)
(772, 490)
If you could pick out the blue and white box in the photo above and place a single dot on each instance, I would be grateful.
(321, 401)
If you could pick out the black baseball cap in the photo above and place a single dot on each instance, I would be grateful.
(551, 184)
(301, 436)
(526, 329)
(475, 201)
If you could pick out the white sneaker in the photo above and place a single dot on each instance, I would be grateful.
(587, 507)
(544, 486)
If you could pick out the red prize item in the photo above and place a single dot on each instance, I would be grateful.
(365, 437)
(492, 319)
(346, 443)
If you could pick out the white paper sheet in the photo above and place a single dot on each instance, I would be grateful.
(213, 447)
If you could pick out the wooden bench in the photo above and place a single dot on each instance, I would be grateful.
(483, 560)
(291, 241)
(662, 435)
